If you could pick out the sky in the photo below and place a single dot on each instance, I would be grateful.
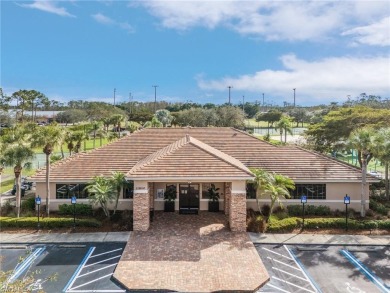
(194, 50)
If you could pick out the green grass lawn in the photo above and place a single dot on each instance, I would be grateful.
(7, 185)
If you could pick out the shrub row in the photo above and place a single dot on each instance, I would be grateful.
(81, 209)
(49, 223)
(289, 224)
(296, 210)
(378, 207)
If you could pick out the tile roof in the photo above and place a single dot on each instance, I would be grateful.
(123, 154)
(189, 158)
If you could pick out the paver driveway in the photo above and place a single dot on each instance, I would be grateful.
(191, 253)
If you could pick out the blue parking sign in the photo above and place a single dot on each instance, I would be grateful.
(38, 200)
(303, 199)
(347, 199)
(73, 200)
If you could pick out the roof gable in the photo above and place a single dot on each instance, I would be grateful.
(189, 157)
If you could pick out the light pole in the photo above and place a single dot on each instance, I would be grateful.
(263, 101)
(155, 96)
(114, 95)
(73, 200)
(229, 87)
(303, 201)
(294, 96)
(38, 203)
(243, 101)
(347, 201)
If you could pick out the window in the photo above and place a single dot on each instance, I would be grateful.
(66, 191)
(250, 190)
(312, 191)
(128, 189)
(205, 190)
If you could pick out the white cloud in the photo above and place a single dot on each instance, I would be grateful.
(272, 20)
(101, 18)
(324, 79)
(48, 6)
(377, 34)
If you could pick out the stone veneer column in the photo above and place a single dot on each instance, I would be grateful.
(237, 212)
(141, 208)
(228, 192)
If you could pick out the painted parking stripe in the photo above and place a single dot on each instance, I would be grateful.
(292, 284)
(313, 284)
(90, 282)
(78, 270)
(105, 252)
(100, 291)
(79, 276)
(277, 253)
(104, 260)
(25, 264)
(283, 263)
(277, 288)
(366, 271)
(282, 271)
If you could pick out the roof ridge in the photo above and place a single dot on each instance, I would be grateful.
(252, 136)
(236, 163)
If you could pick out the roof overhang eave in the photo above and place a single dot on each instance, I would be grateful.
(191, 179)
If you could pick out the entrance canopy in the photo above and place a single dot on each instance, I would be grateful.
(189, 159)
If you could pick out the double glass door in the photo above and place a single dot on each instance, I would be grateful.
(188, 198)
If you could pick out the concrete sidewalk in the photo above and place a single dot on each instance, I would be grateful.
(37, 237)
(320, 239)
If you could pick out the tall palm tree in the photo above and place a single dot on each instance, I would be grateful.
(118, 180)
(95, 128)
(362, 140)
(49, 138)
(68, 139)
(284, 125)
(18, 156)
(78, 137)
(262, 181)
(117, 120)
(382, 152)
(101, 191)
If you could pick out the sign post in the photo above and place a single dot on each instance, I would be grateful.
(73, 200)
(38, 203)
(303, 201)
(347, 201)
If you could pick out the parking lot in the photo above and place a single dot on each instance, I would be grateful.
(298, 268)
(77, 267)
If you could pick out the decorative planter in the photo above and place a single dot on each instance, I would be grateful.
(214, 206)
(169, 206)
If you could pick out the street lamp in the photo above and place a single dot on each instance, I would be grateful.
(347, 201)
(73, 200)
(38, 203)
(303, 201)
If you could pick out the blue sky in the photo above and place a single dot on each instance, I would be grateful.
(194, 50)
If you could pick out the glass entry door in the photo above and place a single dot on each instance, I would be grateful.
(188, 198)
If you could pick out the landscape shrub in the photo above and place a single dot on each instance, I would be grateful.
(310, 210)
(116, 217)
(28, 204)
(285, 225)
(294, 210)
(266, 210)
(48, 223)
(369, 213)
(384, 224)
(7, 209)
(378, 207)
(81, 209)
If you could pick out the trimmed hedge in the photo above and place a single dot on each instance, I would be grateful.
(49, 223)
(289, 224)
(310, 210)
(81, 209)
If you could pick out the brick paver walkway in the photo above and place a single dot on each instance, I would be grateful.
(190, 253)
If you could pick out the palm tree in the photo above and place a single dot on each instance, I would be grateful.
(18, 156)
(117, 120)
(101, 191)
(382, 152)
(262, 181)
(362, 140)
(284, 125)
(78, 137)
(95, 128)
(118, 180)
(49, 138)
(68, 139)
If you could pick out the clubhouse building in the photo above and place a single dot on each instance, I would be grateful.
(189, 160)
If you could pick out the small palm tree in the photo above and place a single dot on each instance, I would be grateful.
(49, 138)
(262, 181)
(101, 192)
(117, 120)
(118, 180)
(362, 140)
(284, 125)
(79, 137)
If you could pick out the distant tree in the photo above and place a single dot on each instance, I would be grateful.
(284, 126)
(229, 116)
(299, 115)
(71, 116)
(117, 120)
(271, 117)
(133, 126)
(381, 150)
(153, 123)
(164, 116)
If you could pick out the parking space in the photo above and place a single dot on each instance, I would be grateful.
(76, 267)
(326, 268)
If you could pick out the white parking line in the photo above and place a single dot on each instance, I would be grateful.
(97, 291)
(292, 284)
(277, 288)
(114, 264)
(102, 261)
(106, 252)
(278, 261)
(90, 282)
(303, 279)
(274, 252)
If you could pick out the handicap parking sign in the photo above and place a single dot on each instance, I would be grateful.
(38, 200)
(303, 199)
(347, 199)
